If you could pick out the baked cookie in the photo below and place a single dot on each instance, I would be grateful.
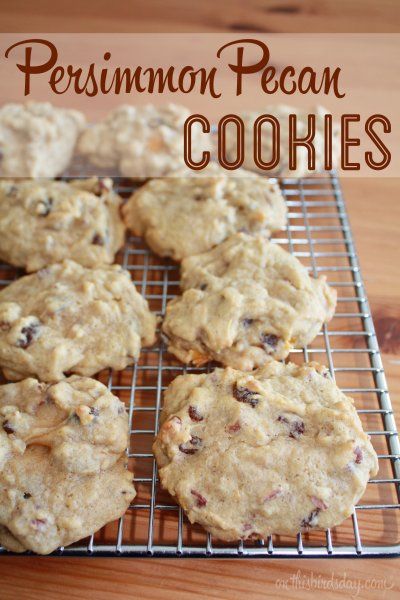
(62, 465)
(140, 141)
(245, 301)
(69, 319)
(43, 222)
(83, 425)
(282, 112)
(276, 451)
(61, 507)
(37, 139)
(182, 216)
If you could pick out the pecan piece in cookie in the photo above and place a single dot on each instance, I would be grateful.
(199, 359)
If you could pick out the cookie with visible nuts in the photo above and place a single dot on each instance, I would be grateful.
(79, 420)
(62, 473)
(275, 451)
(244, 302)
(181, 216)
(44, 222)
(69, 319)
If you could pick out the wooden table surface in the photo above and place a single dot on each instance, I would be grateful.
(374, 210)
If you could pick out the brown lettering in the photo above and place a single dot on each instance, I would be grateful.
(239, 68)
(369, 130)
(30, 69)
(257, 142)
(295, 142)
(237, 121)
(347, 142)
(328, 142)
(187, 142)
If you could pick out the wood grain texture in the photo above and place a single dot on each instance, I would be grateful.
(374, 211)
(208, 15)
(114, 579)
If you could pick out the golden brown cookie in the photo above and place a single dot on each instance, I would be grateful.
(276, 451)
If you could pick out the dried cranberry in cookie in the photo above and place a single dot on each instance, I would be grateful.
(234, 428)
(194, 414)
(200, 500)
(243, 394)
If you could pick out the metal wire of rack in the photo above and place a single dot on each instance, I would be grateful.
(318, 233)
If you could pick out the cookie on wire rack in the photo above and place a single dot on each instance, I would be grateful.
(68, 319)
(46, 221)
(62, 456)
(183, 214)
(139, 141)
(276, 451)
(37, 139)
(245, 301)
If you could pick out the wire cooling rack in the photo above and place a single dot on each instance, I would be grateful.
(318, 233)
